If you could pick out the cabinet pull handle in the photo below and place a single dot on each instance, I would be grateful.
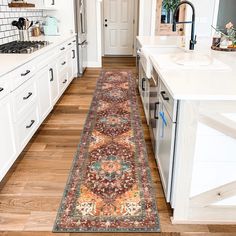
(143, 81)
(53, 2)
(1, 89)
(163, 94)
(63, 63)
(63, 48)
(155, 112)
(74, 41)
(69, 44)
(64, 81)
(26, 73)
(52, 76)
(73, 57)
(31, 124)
(27, 97)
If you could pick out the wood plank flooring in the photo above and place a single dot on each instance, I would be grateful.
(31, 192)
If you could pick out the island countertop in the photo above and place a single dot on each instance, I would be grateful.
(213, 82)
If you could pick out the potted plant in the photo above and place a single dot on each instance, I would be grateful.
(170, 6)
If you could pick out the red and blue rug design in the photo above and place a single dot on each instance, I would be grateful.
(110, 186)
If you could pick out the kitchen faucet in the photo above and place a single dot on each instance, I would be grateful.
(193, 36)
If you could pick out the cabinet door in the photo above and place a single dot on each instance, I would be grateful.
(7, 141)
(44, 91)
(54, 85)
(50, 3)
(70, 65)
(74, 62)
(165, 153)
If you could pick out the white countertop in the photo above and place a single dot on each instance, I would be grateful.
(159, 41)
(207, 83)
(9, 62)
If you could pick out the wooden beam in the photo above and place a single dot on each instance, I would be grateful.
(215, 195)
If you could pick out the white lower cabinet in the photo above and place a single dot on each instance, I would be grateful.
(28, 94)
(54, 83)
(7, 137)
(74, 62)
(26, 126)
(44, 91)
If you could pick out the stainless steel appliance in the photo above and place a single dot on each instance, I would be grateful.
(22, 47)
(81, 31)
(166, 140)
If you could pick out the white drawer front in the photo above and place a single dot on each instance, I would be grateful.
(23, 98)
(63, 81)
(22, 74)
(5, 87)
(62, 63)
(27, 126)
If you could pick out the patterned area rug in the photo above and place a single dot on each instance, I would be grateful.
(110, 186)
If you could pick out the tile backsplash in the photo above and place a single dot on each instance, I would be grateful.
(8, 32)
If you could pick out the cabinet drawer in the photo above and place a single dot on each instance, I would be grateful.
(26, 127)
(23, 98)
(62, 63)
(168, 101)
(5, 87)
(63, 81)
(22, 74)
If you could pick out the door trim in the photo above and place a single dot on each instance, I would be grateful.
(135, 27)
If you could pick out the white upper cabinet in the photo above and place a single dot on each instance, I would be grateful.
(50, 4)
(45, 4)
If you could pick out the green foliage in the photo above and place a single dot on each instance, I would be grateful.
(170, 5)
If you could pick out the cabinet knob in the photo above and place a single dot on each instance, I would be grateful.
(63, 63)
(64, 81)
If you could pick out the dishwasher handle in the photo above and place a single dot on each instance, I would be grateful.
(155, 111)
(143, 82)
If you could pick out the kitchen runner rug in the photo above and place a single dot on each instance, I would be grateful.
(110, 186)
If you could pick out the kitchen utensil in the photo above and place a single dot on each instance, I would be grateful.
(16, 23)
(21, 22)
(24, 35)
(30, 25)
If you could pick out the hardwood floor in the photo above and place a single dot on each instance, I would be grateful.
(31, 192)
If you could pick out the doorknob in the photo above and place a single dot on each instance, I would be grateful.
(105, 20)
(106, 25)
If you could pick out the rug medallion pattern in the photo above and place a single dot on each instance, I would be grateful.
(110, 186)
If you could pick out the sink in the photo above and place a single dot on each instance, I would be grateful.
(187, 60)
(192, 59)
(146, 52)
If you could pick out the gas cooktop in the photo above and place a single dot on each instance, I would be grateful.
(20, 47)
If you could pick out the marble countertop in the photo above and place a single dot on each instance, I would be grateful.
(9, 62)
(214, 82)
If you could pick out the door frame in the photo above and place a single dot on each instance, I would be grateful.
(135, 27)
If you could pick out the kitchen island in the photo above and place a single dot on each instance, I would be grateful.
(196, 130)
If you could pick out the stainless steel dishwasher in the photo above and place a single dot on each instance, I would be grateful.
(166, 139)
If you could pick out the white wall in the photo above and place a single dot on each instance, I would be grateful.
(204, 17)
(94, 32)
(147, 9)
(65, 16)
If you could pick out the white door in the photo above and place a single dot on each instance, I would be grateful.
(118, 27)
